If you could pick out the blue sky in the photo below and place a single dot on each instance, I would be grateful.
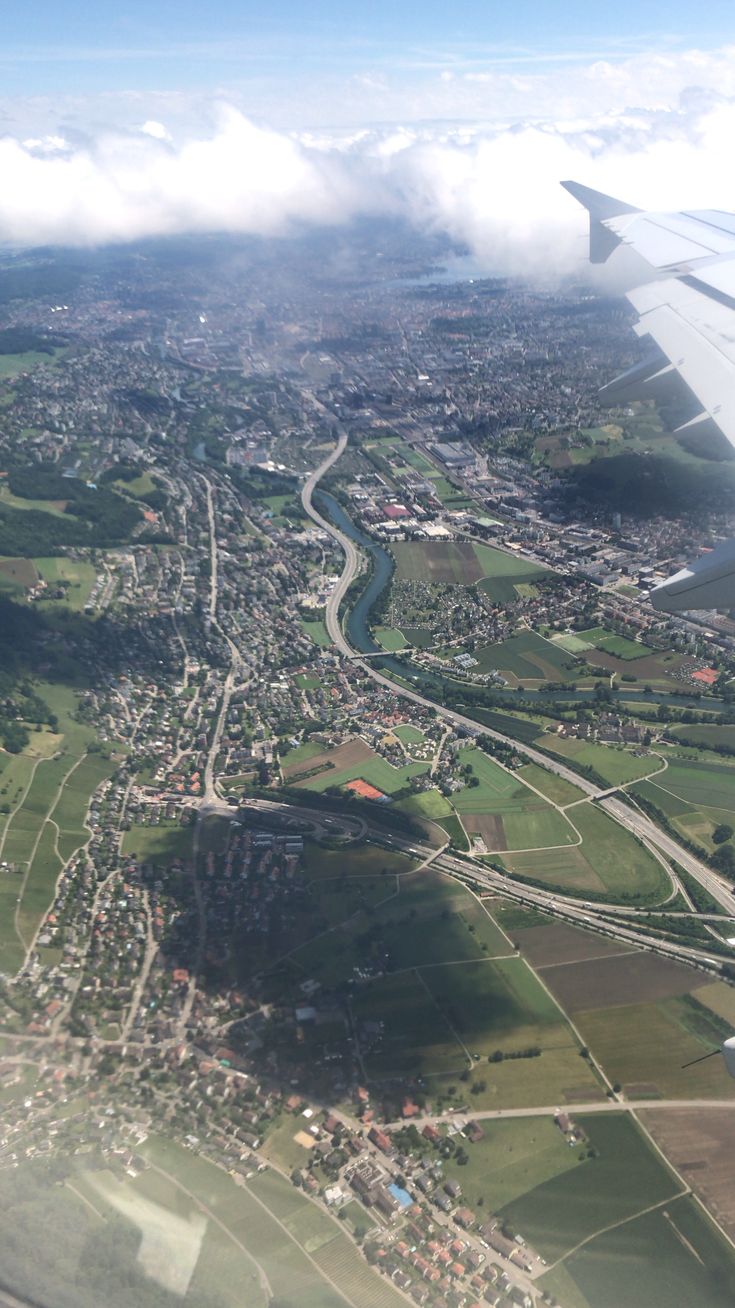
(90, 46)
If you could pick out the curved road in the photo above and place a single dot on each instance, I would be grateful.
(633, 820)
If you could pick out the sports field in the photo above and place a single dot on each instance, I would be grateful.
(620, 646)
(390, 638)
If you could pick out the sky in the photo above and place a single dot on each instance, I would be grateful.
(148, 118)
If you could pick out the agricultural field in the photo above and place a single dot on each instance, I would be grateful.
(616, 765)
(527, 658)
(465, 564)
(698, 1143)
(46, 790)
(672, 1257)
(504, 812)
(644, 1043)
(622, 1180)
(437, 561)
(276, 1228)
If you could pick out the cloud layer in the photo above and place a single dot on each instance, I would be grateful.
(494, 187)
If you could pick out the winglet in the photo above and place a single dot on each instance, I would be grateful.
(600, 207)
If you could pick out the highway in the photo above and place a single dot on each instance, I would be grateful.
(632, 819)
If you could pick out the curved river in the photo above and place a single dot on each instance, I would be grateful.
(359, 636)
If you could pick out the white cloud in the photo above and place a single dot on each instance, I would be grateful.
(156, 130)
(493, 186)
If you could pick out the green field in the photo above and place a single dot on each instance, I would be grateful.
(376, 771)
(427, 803)
(48, 797)
(424, 921)
(527, 657)
(609, 861)
(626, 1178)
(616, 765)
(390, 638)
(646, 1045)
(525, 820)
(515, 1156)
(12, 364)
(408, 734)
(697, 796)
(301, 753)
(704, 735)
(354, 861)
(557, 789)
(161, 844)
(670, 1258)
(306, 681)
(316, 630)
(620, 646)
(75, 577)
(414, 1039)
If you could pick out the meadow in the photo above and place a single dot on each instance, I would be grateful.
(609, 861)
(670, 1258)
(504, 811)
(623, 1179)
(615, 765)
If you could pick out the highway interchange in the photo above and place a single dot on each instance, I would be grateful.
(481, 876)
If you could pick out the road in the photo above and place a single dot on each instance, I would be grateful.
(572, 1110)
(632, 819)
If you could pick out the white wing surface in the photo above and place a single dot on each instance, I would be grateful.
(689, 314)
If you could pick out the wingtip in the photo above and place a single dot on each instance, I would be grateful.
(598, 205)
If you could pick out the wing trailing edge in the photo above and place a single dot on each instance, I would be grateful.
(689, 316)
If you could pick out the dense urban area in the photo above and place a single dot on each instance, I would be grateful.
(367, 840)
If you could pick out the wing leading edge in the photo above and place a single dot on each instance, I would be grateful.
(689, 314)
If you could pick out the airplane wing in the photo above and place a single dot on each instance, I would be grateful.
(689, 314)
